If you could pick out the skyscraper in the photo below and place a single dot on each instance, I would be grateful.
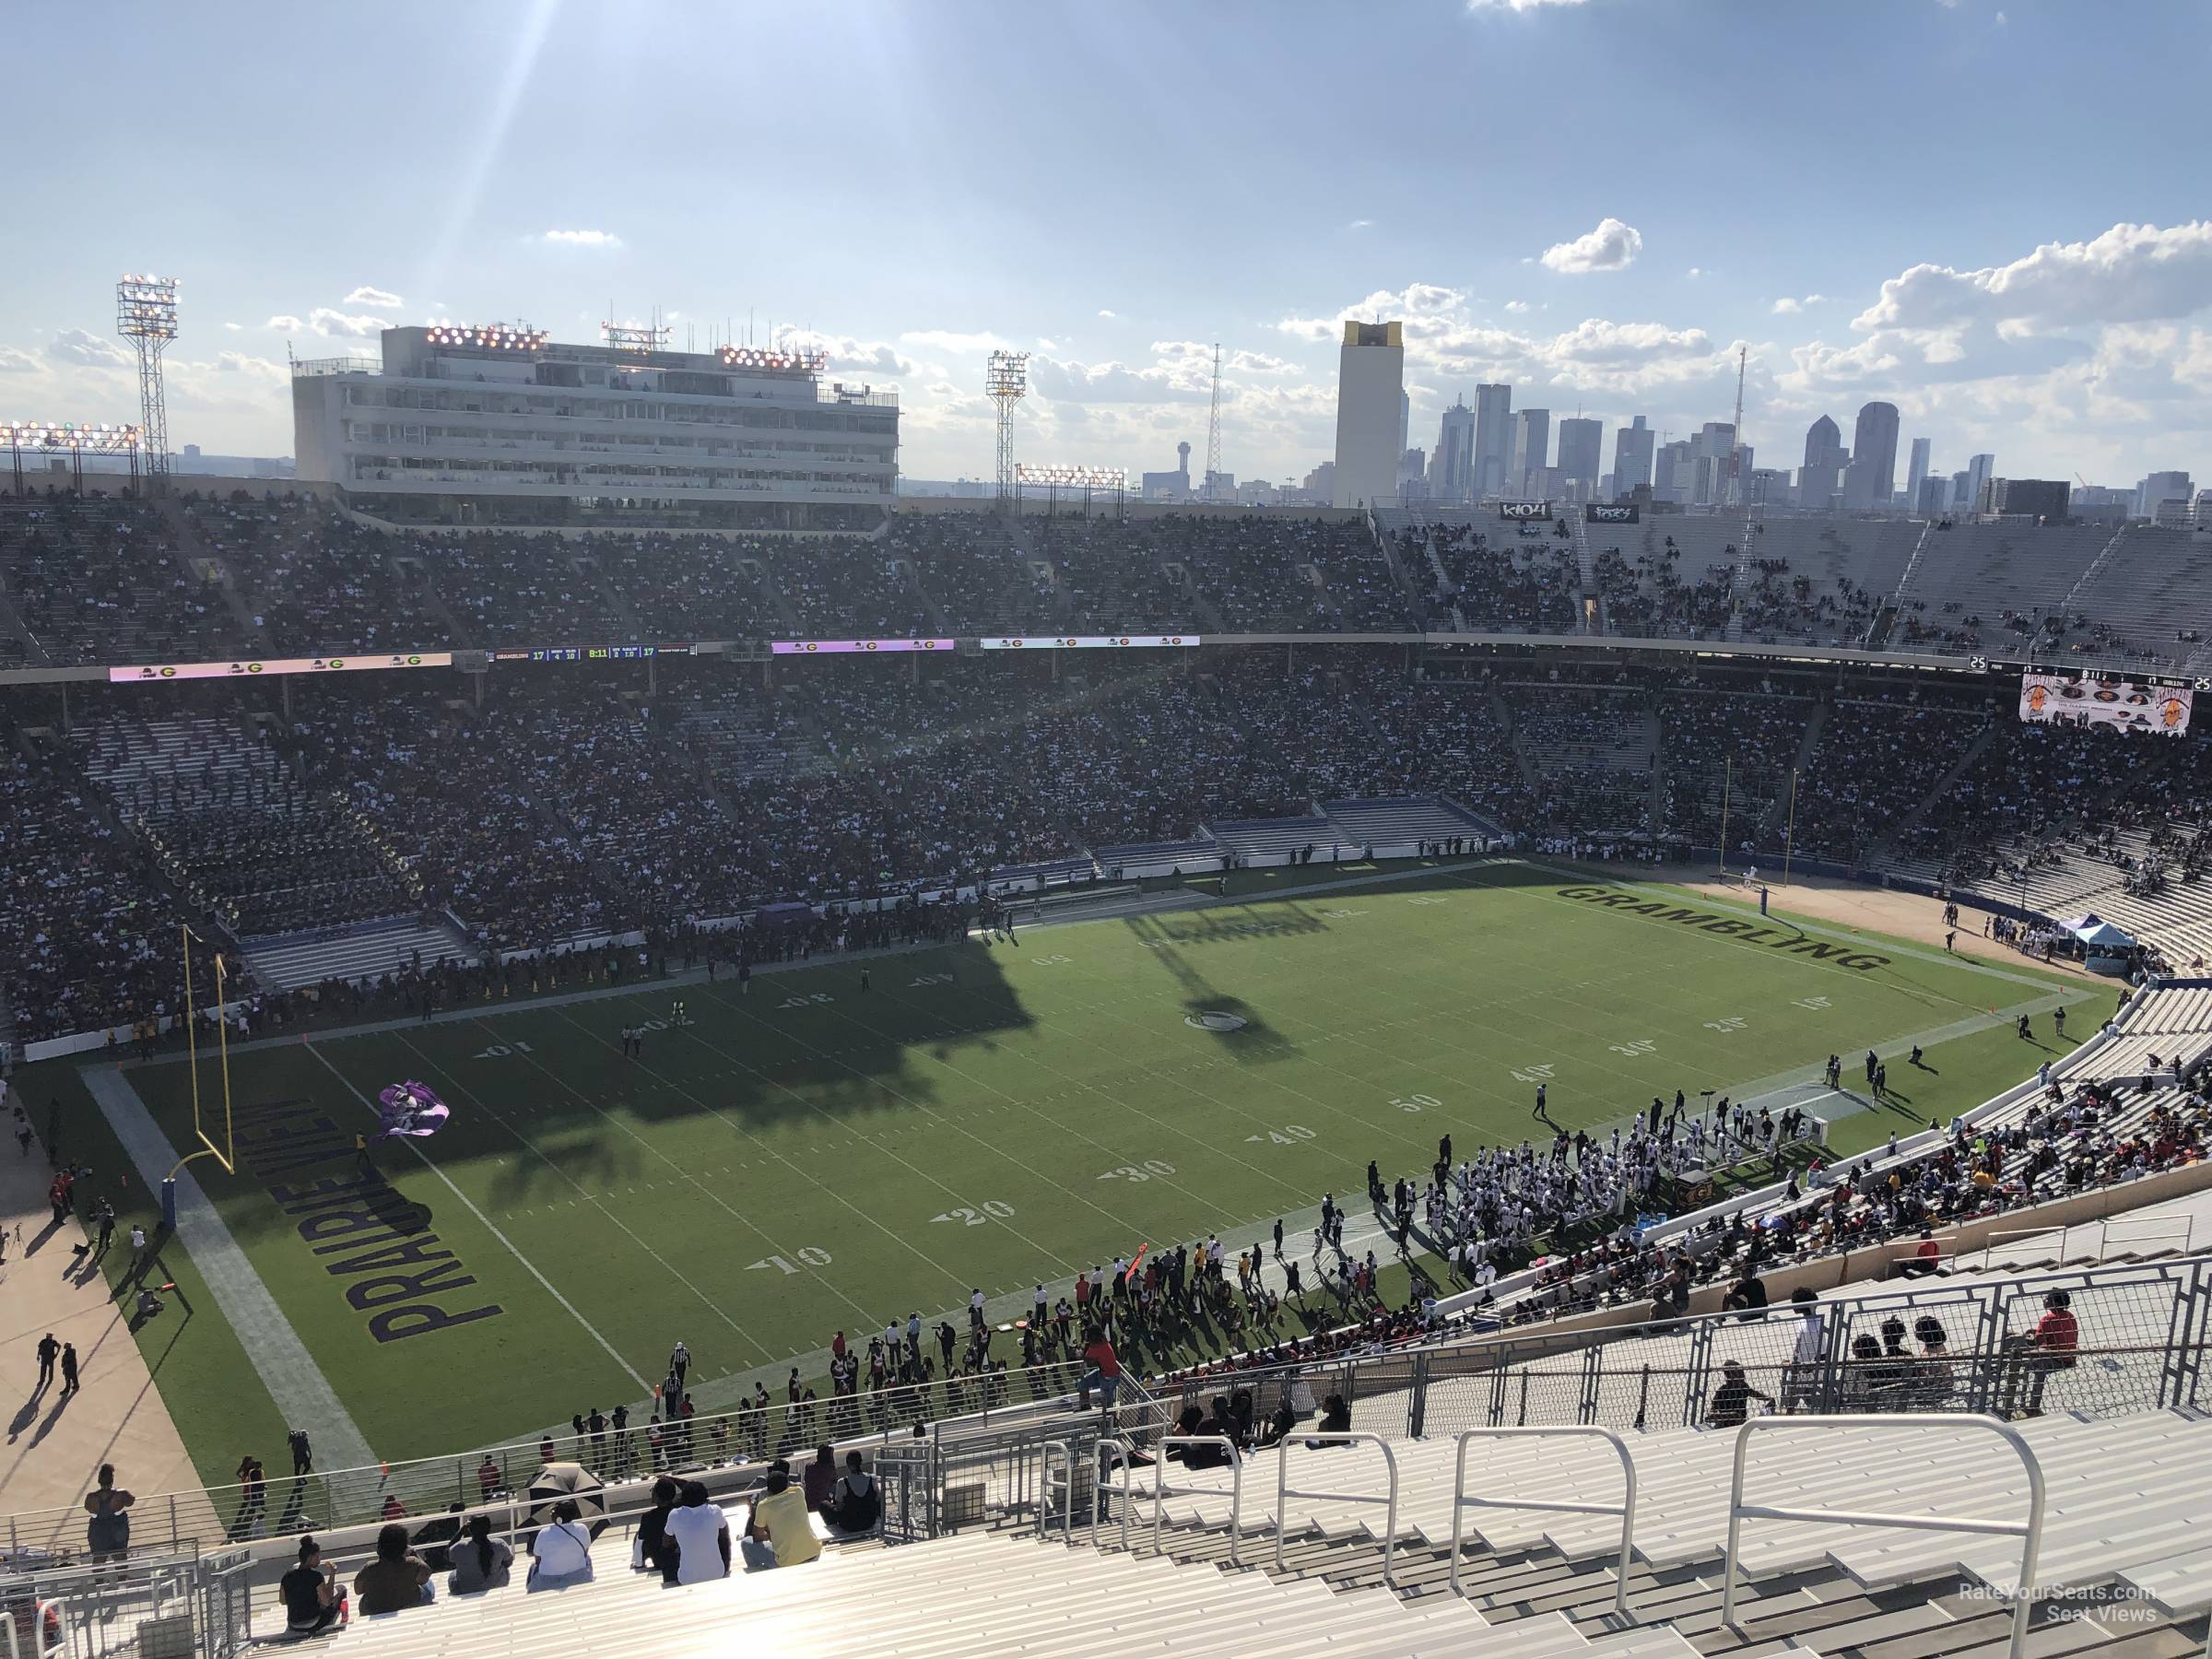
(1532, 446)
(1582, 452)
(1671, 471)
(1823, 461)
(1915, 474)
(2160, 487)
(1871, 478)
(1451, 465)
(1404, 420)
(1371, 400)
(1979, 471)
(1631, 456)
(1493, 437)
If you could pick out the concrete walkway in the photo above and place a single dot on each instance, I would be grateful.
(55, 1446)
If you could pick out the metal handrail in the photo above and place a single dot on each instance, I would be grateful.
(1044, 1488)
(1625, 1509)
(1236, 1486)
(1124, 1455)
(1341, 1437)
(2031, 1531)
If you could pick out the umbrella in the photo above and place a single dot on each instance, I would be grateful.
(559, 1480)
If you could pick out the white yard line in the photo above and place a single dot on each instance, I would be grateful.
(489, 1226)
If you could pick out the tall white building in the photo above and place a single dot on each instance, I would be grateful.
(1451, 465)
(1916, 473)
(1582, 452)
(1871, 478)
(1979, 471)
(500, 425)
(1370, 403)
(1493, 437)
(1631, 456)
(1530, 454)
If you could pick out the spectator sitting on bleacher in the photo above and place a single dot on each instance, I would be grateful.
(652, 1549)
(397, 1579)
(1335, 1418)
(696, 1536)
(779, 1533)
(562, 1553)
(312, 1601)
(479, 1560)
(855, 1505)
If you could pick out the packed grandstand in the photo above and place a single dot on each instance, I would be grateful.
(1810, 687)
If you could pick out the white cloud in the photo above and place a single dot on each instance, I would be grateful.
(1516, 305)
(1816, 298)
(582, 238)
(376, 299)
(1358, 224)
(2130, 274)
(285, 323)
(954, 342)
(846, 354)
(1613, 246)
(336, 324)
(13, 361)
(1785, 306)
(87, 350)
(1694, 272)
(233, 327)
(1516, 5)
(1105, 314)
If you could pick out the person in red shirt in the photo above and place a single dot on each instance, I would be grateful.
(1105, 1374)
(2056, 1341)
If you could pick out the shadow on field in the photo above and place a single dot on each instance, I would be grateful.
(1228, 1020)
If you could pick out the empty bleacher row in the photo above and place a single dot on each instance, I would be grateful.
(2118, 1515)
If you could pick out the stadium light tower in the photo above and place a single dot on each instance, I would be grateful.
(1008, 381)
(145, 314)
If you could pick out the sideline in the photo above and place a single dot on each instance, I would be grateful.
(286, 1369)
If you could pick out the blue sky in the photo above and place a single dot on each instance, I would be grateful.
(1996, 217)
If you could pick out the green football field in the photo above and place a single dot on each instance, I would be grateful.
(816, 1154)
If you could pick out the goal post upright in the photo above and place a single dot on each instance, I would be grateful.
(224, 1154)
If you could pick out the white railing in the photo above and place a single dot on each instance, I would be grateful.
(1066, 1488)
(1123, 1454)
(2030, 1532)
(1161, 1491)
(1341, 1438)
(2140, 1228)
(1625, 1509)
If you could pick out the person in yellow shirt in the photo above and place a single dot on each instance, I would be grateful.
(779, 1533)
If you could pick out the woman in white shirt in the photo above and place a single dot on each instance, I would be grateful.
(562, 1551)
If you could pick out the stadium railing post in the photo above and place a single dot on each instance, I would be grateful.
(1417, 1411)
(1700, 1370)
(1585, 1409)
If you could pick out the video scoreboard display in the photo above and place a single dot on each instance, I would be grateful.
(2131, 705)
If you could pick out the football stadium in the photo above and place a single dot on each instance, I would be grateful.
(632, 1031)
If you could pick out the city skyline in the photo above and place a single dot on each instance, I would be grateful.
(2015, 319)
